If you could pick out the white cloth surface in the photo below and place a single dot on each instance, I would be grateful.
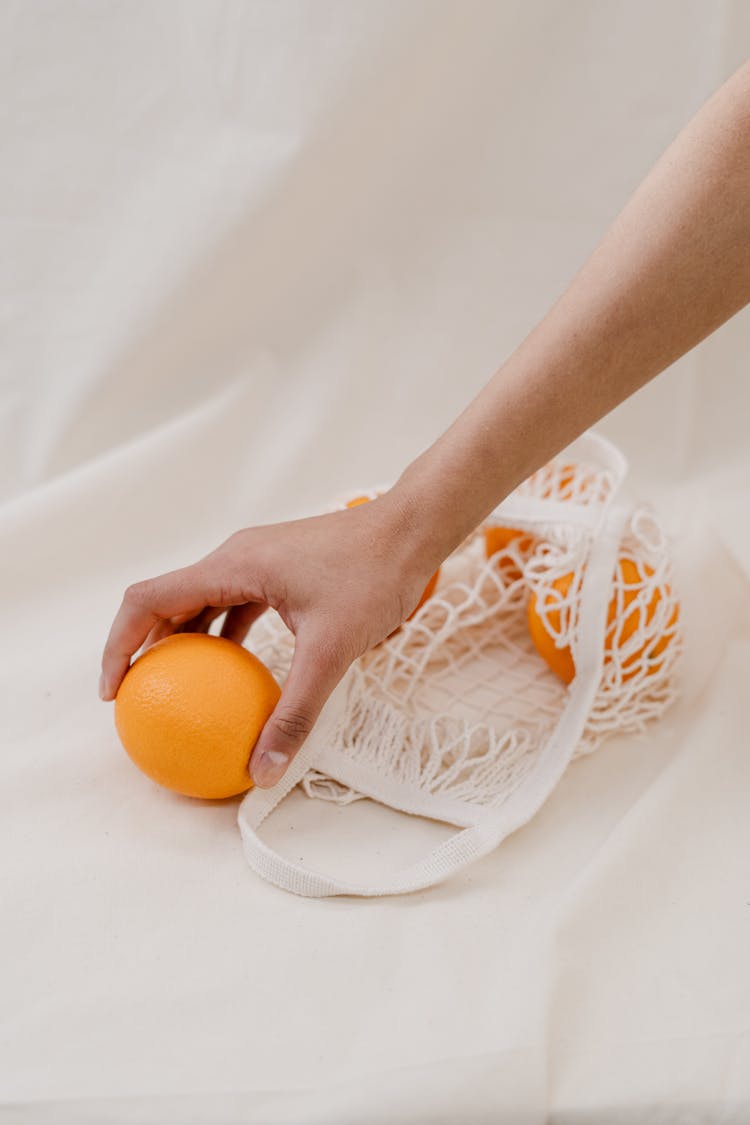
(252, 254)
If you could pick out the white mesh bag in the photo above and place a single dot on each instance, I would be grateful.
(456, 716)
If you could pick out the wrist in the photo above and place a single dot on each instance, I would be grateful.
(429, 526)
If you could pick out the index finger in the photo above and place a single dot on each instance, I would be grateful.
(178, 593)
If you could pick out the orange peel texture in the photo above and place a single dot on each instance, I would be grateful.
(189, 712)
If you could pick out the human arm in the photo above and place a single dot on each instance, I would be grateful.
(673, 266)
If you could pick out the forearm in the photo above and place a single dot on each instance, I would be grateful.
(673, 267)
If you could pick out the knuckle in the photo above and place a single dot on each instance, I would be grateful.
(239, 538)
(229, 545)
(140, 594)
(294, 723)
(224, 592)
(224, 582)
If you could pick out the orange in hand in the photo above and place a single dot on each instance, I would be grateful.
(622, 622)
(189, 712)
(429, 588)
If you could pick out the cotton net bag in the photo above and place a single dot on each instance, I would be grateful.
(456, 716)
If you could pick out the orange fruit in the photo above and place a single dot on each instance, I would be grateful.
(564, 483)
(559, 481)
(622, 622)
(429, 588)
(560, 660)
(189, 712)
(558, 484)
(499, 538)
(428, 591)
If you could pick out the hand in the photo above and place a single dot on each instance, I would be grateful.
(341, 582)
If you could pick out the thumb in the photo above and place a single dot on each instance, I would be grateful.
(316, 669)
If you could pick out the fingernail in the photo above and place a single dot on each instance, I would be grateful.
(269, 768)
(102, 687)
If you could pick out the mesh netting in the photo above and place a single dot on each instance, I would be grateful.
(459, 702)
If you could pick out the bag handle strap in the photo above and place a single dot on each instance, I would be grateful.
(492, 826)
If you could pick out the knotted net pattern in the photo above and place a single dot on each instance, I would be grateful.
(458, 702)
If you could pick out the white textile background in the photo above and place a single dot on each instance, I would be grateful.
(252, 254)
